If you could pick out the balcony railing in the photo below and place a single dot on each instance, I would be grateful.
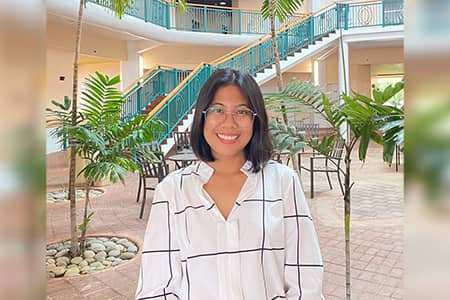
(200, 18)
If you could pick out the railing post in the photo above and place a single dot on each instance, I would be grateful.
(145, 11)
(382, 14)
(338, 16)
(252, 60)
(138, 98)
(346, 8)
(167, 9)
(311, 30)
(205, 19)
(240, 21)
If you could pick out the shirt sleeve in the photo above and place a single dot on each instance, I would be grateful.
(160, 271)
(303, 261)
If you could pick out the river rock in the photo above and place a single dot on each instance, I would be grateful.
(62, 253)
(76, 260)
(89, 254)
(58, 271)
(72, 272)
(127, 255)
(51, 252)
(97, 247)
(132, 248)
(114, 253)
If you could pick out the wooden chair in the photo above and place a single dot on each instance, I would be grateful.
(150, 170)
(331, 164)
(182, 141)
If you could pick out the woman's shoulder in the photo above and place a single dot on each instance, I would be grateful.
(173, 178)
(278, 169)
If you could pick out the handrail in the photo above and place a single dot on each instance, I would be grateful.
(148, 72)
(253, 44)
(175, 90)
(291, 37)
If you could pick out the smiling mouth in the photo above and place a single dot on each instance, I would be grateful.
(227, 138)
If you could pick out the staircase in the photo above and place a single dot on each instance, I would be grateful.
(296, 42)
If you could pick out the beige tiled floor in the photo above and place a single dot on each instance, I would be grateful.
(376, 234)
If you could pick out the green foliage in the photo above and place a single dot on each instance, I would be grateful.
(84, 226)
(281, 8)
(101, 136)
(285, 138)
(366, 118)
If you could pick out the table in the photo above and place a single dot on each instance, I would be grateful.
(183, 159)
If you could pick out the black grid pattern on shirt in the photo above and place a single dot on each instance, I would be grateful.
(297, 216)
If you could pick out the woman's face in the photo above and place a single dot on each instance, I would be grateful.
(228, 123)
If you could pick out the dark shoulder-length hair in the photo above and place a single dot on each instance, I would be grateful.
(259, 148)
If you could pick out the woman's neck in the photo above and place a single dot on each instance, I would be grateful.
(227, 166)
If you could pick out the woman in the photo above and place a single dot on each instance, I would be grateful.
(235, 225)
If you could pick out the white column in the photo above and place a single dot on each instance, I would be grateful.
(129, 69)
(344, 69)
(320, 73)
(344, 78)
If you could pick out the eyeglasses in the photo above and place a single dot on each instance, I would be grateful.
(242, 116)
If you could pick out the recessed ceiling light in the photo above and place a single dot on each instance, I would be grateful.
(222, 3)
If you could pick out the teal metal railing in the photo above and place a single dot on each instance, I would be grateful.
(158, 82)
(259, 55)
(182, 102)
(198, 18)
(293, 38)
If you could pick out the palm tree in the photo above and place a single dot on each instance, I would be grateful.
(118, 7)
(364, 118)
(280, 9)
(102, 137)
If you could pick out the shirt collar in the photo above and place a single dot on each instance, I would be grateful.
(205, 171)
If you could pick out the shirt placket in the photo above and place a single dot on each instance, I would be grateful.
(229, 264)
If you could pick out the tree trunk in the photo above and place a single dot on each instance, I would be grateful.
(347, 197)
(72, 164)
(276, 54)
(85, 218)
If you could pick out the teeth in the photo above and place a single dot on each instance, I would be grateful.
(227, 137)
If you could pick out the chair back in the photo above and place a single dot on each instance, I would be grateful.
(311, 129)
(153, 169)
(338, 149)
(182, 140)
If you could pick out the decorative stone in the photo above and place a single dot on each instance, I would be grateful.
(123, 242)
(76, 260)
(72, 272)
(103, 239)
(90, 260)
(85, 269)
(51, 261)
(106, 263)
(110, 246)
(132, 248)
(101, 256)
(111, 258)
(114, 253)
(96, 264)
(89, 254)
(61, 252)
(50, 267)
(50, 275)
(51, 252)
(83, 263)
(127, 255)
(58, 271)
(120, 248)
(114, 239)
(97, 247)
(61, 263)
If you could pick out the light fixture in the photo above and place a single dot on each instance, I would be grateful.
(222, 3)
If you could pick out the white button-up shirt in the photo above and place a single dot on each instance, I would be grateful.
(267, 248)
